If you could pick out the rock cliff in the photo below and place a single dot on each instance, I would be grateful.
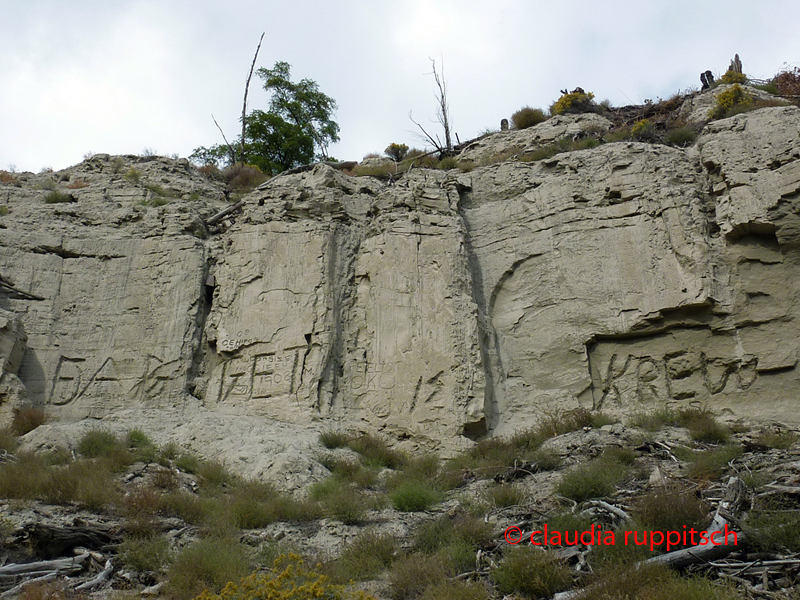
(436, 309)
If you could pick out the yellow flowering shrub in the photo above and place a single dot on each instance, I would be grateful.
(733, 97)
(643, 130)
(733, 77)
(290, 579)
(574, 102)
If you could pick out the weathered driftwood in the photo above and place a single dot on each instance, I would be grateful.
(517, 472)
(18, 588)
(615, 511)
(49, 541)
(728, 509)
(44, 566)
(99, 580)
(224, 213)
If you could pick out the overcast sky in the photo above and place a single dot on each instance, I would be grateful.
(121, 77)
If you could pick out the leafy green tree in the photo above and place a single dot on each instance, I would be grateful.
(297, 128)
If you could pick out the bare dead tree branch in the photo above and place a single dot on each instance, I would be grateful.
(227, 143)
(246, 89)
(436, 142)
(444, 110)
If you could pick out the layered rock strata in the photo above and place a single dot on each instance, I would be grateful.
(437, 308)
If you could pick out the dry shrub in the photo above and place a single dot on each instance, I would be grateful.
(776, 438)
(655, 582)
(531, 572)
(672, 507)
(208, 564)
(414, 574)
(88, 482)
(456, 590)
(243, 177)
(596, 479)
(140, 502)
(23, 478)
(145, 554)
(527, 117)
(8, 441)
(364, 558)
(420, 159)
(27, 418)
(788, 82)
(505, 495)
(49, 591)
(709, 464)
(380, 171)
(335, 439)
(210, 171)
(165, 479)
(376, 452)
(8, 178)
(77, 184)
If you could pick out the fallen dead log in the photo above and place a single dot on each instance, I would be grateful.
(224, 213)
(99, 580)
(55, 566)
(615, 511)
(517, 472)
(49, 541)
(725, 515)
(18, 588)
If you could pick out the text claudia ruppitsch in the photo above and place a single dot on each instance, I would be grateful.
(597, 536)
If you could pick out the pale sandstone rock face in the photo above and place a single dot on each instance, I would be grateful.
(12, 348)
(696, 107)
(341, 298)
(501, 145)
(435, 309)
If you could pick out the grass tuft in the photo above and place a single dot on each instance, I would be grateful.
(145, 554)
(531, 572)
(527, 117)
(26, 419)
(366, 557)
(414, 495)
(412, 575)
(57, 197)
(335, 439)
(207, 564)
(596, 479)
(780, 439)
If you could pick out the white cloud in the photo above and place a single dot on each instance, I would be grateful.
(119, 77)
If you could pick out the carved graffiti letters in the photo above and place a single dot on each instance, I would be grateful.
(258, 375)
(624, 377)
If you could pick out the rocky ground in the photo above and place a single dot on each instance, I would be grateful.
(644, 476)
